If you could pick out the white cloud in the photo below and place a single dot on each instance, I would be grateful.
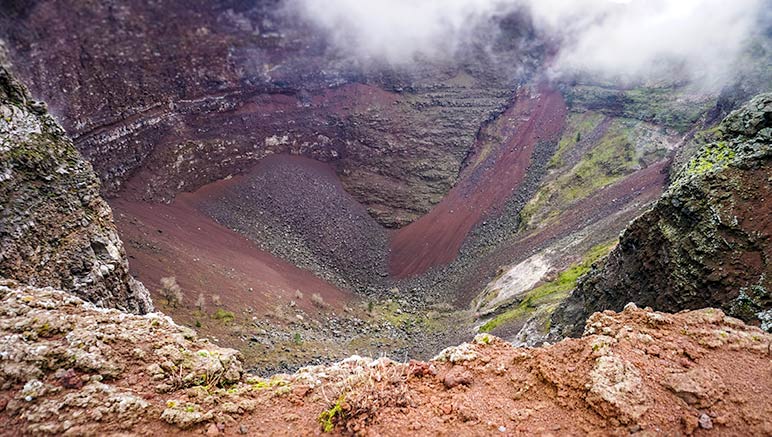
(613, 39)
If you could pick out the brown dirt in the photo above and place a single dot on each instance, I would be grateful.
(436, 237)
(649, 374)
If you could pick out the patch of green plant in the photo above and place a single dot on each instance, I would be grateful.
(263, 384)
(223, 315)
(297, 339)
(328, 417)
(666, 106)
(551, 291)
(611, 158)
(578, 124)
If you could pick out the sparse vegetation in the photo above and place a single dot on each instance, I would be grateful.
(318, 301)
(200, 302)
(662, 105)
(216, 301)
(614, 155)
(577, 124)
(329, 417)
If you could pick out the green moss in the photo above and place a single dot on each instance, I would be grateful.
(264, 384)
(552, 291)
(612, 157)
(666, 106)
(712, 157)
(328, 417)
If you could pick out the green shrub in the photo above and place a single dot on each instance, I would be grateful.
(223, 315)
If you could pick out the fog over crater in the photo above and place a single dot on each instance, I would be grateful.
(616, 40)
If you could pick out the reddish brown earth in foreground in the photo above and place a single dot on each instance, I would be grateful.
(435, 238)
(75, 369)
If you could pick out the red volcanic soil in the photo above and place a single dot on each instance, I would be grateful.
(205, 257)
(436, 237)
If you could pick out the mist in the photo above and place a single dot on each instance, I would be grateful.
(610, 40)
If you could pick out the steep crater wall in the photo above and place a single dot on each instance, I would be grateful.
(163, 109)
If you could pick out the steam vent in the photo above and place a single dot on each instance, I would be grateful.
(385, 218)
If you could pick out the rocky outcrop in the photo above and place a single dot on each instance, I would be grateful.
(55, 229)
(71, 368)
(706, 242)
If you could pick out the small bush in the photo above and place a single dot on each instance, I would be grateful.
(328, 418)
(318, 300)
(223, 315)
(171, 291)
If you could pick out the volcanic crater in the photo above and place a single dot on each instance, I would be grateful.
(310, 206)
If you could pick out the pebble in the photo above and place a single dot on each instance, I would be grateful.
(706, 422)
(502, 429)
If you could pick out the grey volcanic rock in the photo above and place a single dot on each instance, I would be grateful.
(55, 229)
(296, 208)
(707, 240)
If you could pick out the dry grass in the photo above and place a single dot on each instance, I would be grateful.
(318, 301)
(383, 384)
(171, 291)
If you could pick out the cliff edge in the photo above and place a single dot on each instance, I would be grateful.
(55, 229)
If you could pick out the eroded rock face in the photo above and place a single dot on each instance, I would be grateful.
(58, 350)
(707, 240)
(55, 229)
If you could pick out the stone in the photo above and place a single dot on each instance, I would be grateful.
(705, 421)
(616, 389)
(698, 387)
